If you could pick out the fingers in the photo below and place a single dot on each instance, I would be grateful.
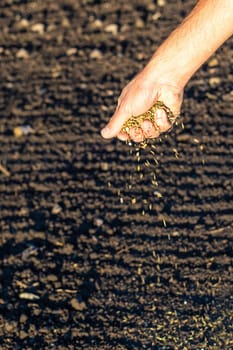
(148, 129)
(123, 136)
(162, 120)
(136, 134)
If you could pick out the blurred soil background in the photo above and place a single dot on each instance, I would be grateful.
(81, 267)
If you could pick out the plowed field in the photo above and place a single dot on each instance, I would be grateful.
(82, 266)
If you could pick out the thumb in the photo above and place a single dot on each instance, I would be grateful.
(116, 122)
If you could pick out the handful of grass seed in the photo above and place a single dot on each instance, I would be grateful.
(150, 115)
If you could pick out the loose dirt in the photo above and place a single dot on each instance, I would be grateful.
(80, 268)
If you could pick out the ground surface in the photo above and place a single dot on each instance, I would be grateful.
(80, 269)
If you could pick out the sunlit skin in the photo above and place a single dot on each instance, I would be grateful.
(173, 64)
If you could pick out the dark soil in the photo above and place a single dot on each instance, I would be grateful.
(81, 269)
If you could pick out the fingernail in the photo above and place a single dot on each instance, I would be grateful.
(105, 132)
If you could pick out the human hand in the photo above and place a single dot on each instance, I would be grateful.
(136, 98)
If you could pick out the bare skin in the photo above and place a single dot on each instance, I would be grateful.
(205, 29)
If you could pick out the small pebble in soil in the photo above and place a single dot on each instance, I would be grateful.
(96, 25)
(71, 51)
(98, 222)
(104, 166)
(22, 53)
(65, 22)
(78, 305)
(161, 3)
(38, 28)
(156, 16)
(228, 97)
(111, 28)
(214, 81)
(96, 54)
(213, 62)
(28, 296)
(30, 251)
(23, 24)
(139, 23)
(22, 130)
(56, 209)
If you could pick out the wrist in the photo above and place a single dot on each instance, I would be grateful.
(165, 70)
(174, 61)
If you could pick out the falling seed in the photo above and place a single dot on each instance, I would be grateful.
(155, 183)
(4, 170)
(158, 194)
(136, 150)
(143, 145)
(134, 200)
(201, 147)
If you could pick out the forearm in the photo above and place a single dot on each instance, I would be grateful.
(208, 25)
